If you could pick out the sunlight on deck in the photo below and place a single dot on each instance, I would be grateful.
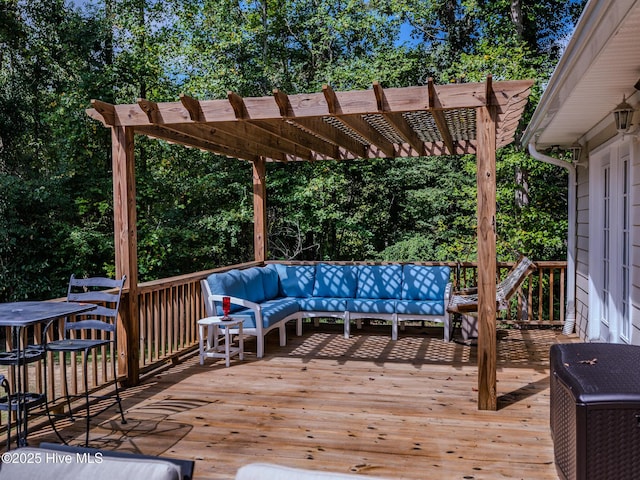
(367, 405)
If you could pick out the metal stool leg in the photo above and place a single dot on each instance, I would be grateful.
(50, 415)
(5, 385)
(86, 398)
(123, 420)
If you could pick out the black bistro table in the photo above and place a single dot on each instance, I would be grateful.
(18, 316)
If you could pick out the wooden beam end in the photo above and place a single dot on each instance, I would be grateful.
(238, 105)
(331, 98)
(106, 110)
(284, 104)
(192, 106)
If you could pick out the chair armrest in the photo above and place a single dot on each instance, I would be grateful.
(236, 301)
(467, 291)
(257, 309)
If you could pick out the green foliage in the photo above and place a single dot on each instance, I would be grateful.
(195, 209)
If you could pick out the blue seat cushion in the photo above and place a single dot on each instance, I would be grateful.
(272, 312)
(295, 280)
(379, 281)
(420, 307)
(227, 284)
(335, 281)
(423, 282)
(363, 305)
(323, 304)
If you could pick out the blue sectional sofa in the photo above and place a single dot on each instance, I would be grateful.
(272, 295)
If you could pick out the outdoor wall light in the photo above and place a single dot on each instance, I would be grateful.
(623, 115)
(576, 150)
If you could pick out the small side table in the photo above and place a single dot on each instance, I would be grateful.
(213, 348)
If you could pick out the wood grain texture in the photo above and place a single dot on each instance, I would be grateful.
(486, 181)
(405, 409)
(126, 249)
(336, 120)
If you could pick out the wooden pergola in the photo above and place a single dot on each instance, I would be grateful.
(430, 120)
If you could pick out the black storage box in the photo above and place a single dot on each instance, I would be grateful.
(595, 410)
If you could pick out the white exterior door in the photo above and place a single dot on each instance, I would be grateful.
(610, 243)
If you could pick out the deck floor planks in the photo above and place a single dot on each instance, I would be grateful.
(359, 405)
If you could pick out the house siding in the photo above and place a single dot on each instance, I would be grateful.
(582, 252)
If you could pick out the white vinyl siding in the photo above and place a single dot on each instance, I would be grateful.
(582, 253)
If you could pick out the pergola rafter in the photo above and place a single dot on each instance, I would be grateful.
(380, 122)
(429, 120)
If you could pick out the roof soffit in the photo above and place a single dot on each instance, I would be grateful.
(600, 65)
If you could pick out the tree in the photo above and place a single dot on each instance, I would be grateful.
(195, 209)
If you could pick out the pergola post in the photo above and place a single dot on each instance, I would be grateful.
(486, 182)
(126, 250)
(259, 209)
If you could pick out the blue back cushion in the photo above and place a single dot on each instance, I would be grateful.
(295, 280)
(228, 284)
(270, 282)
(338, 281)
(252, 278)
(421, 282)
(379, 281)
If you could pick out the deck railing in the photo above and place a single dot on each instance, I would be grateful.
(168, 310)
(540, 300)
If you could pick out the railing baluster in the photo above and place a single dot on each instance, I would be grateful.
(562, 287)
(551, 285)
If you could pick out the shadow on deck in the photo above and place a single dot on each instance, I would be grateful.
(404, 409)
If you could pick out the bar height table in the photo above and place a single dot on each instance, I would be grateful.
(18, 316)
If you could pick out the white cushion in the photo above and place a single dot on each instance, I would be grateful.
(266, 471)
(30, 463)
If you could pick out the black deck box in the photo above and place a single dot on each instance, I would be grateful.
(595, 411)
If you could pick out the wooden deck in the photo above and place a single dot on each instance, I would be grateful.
(366, 405)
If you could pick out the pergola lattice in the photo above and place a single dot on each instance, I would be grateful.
(430, 120)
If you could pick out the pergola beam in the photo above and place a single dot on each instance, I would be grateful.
(456, 96)
(356, 123)
(181, 137)
(106, 110)
(299, 137)
(192, 106)
(264, 141)
(397, 121)
(151, 109)
(330, 124)
(435, 107)
(322, 129)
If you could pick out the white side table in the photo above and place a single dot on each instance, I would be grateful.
(214, 349)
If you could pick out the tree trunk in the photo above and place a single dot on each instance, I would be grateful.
(517, 18)
(522, 189)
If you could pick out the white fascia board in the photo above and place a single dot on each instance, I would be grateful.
(600, 20)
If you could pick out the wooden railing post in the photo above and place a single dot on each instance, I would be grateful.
(126, 250)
